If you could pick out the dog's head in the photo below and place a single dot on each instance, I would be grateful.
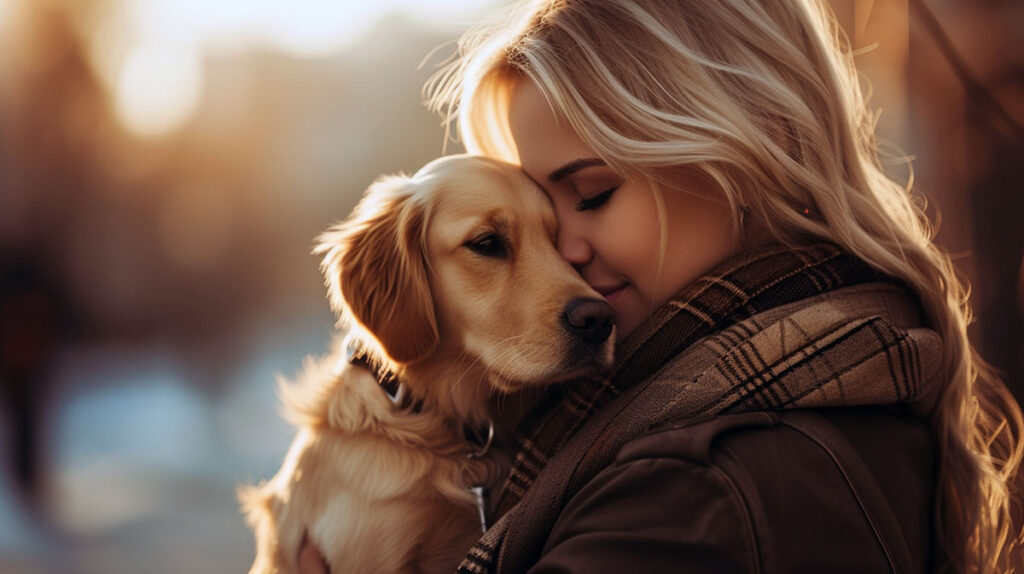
(456, 266)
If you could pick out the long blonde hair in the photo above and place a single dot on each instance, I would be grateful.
(763, 98)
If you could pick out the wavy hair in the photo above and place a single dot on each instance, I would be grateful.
(764, 99)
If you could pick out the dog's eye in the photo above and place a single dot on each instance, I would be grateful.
(489, 245)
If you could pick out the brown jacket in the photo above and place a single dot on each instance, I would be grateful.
(750, 493)
(598, 484)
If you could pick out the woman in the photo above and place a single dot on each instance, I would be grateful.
(715, 175)
(794, 388)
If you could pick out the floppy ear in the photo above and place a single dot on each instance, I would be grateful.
(376, 271)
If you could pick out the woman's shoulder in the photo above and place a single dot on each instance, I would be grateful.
(876, 433)
(797, 491)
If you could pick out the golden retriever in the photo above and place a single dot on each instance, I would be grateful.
(450, 280)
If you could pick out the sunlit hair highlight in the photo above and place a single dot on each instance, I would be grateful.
(762, 98)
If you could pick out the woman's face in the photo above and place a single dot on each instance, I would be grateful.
(608, 225)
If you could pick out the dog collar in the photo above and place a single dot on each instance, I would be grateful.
(478, 440)
(389, 383)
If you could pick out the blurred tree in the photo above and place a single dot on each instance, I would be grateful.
(991, 142)
(51, 103)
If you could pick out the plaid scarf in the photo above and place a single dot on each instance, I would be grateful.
(753, 334)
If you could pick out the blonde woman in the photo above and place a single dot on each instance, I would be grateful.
(794, 390)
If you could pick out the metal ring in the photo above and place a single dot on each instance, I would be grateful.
(487, 444)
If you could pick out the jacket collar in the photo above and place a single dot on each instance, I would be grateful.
(754, 361)
(768, 330)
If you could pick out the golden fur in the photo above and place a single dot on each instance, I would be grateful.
(417, 275)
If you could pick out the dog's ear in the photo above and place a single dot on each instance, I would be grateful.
(376, 270)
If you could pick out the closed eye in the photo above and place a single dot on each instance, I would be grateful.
(488, 245)
(597, 201)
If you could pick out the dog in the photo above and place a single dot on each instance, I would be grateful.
(450, 282)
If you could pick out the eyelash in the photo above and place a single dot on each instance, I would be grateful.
(596, 201)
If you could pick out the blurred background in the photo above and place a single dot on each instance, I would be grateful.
(165, 166)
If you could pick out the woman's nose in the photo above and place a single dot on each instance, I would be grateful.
(573, 246)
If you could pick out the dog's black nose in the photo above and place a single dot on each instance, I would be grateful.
(589, 319)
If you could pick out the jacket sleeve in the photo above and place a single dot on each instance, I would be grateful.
(653, 515)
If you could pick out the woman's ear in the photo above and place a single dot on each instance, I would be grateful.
(376, 271)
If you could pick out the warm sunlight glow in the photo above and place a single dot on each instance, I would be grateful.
(310, 29)
(303, 28)
(8, 21)
(6, 11)
(157, 83)
(158, 87)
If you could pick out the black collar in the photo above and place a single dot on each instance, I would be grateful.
(478, 439)
(387, 380)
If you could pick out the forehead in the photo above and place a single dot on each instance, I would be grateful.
(486, 194)
(544, 139)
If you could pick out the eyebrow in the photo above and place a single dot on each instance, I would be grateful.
(574, 166)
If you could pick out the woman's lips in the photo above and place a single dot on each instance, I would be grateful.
(611, 293)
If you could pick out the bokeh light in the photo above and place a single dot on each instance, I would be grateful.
(159, 86)
(158, 80)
